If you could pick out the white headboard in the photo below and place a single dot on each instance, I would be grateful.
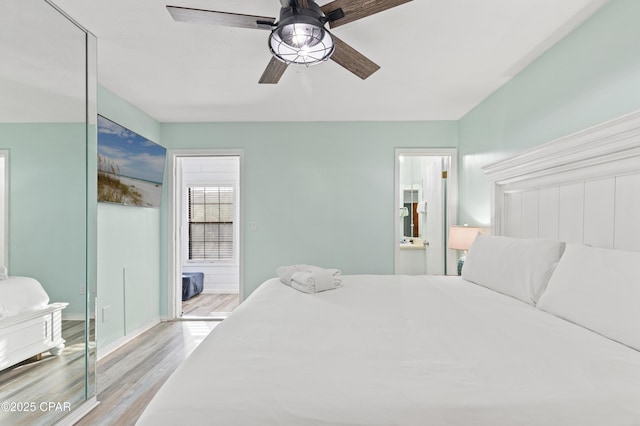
(583, 188)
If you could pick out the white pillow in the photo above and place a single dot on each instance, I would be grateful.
(516, 267)
(598, 289)
(21, 294)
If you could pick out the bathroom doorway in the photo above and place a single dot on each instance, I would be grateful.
(425, 205)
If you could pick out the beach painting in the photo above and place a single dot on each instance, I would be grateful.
(130, 167)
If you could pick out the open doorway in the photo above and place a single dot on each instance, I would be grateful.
(206, 224)
(424, 209)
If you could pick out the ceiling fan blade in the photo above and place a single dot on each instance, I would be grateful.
(201, 16)
(356, 9)
(273, 72)
(352, 60)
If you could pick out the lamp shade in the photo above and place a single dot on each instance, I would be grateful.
(461, 237)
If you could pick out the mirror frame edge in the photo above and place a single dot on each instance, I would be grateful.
(91, 209)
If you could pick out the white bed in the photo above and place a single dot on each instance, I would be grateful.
(29, 324)
(542, 329)
(399, 350)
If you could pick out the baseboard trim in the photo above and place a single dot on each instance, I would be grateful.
(77, 414)
(103, 352)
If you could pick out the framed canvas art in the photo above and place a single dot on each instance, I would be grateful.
(130, 167)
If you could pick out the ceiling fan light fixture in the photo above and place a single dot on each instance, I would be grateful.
(301, 43)
(301, 36)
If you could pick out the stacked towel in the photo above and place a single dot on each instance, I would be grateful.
(309, 278)
(315, 281)
(3, 273)
(286, 272)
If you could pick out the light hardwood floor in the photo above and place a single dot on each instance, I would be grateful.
(206, 304)
(129, 377)
(50, 379)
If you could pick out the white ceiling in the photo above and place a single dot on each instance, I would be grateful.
(438, 58)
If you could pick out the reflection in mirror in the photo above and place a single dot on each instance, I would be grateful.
(411, 222)
(45, 339)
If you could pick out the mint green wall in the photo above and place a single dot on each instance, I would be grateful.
(128, 244)
(326, 198)
(128, 270)
(47, 207)
(591, 76)
(133, 118)
(321, 193)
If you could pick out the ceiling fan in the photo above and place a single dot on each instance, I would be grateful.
(300, 37)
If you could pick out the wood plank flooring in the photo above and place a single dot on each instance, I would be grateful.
(50, 379)
(207, 304)
(129, 377)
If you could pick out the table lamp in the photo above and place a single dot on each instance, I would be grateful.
(461, 238)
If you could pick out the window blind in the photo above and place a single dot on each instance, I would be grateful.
(211, 223)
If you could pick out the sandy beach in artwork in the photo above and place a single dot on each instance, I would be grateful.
(150, 192)
(128, 191)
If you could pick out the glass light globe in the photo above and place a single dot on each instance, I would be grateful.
(301, 35)
(301, 44)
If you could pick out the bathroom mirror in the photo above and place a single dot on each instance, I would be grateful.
(47, 138)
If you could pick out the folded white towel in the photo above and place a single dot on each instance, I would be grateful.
(286, 272)
(422, 207)
(3, 273)
(316, 281)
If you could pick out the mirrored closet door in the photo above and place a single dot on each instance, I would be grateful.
(48, 147)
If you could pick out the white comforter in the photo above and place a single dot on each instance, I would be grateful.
(21, 294)
(399, 350)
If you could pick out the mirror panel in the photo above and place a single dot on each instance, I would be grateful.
(92, 216)
(44, 131)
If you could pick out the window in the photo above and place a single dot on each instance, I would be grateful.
(211, 213)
